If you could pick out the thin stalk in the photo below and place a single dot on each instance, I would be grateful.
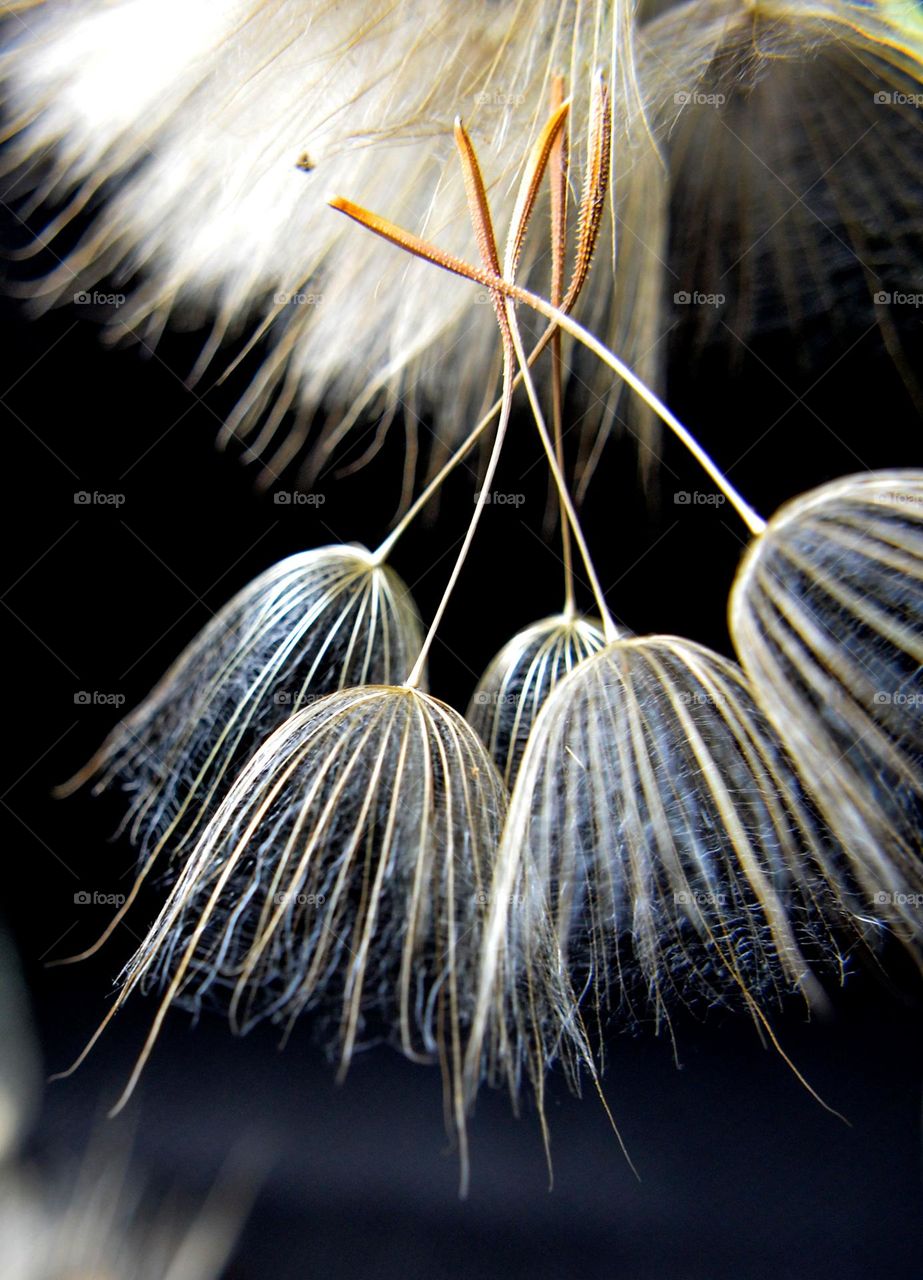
(416, 674)
(558, 163)
(387, 546)
(610, 630)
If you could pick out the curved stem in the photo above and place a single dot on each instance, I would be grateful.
(380, 555)
(610, 630)
(415, 676)
(755, 523)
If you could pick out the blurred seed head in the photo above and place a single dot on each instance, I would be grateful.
(779, 130)
(218, 147)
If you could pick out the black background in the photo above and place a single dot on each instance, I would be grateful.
(742, 1172)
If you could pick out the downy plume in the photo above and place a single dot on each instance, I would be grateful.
(658, 821)
(224, 126)
(827, 617)
(315, 622)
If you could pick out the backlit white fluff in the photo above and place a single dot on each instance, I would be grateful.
(229, 124)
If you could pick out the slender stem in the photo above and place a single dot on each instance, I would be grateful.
(558, 164)
(416, 674)
(755, 523)
(387, 546)
(610, 630)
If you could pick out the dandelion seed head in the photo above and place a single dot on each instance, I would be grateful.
(827, 616)
(206, 138)
(347, 872)
(663, 846)
(317, 621)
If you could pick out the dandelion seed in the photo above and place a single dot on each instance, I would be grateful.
(317, 621)
(347, 871)
(348, 866)
(827, 616)
(656, 812)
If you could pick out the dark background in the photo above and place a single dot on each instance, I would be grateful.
(743, 1174)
